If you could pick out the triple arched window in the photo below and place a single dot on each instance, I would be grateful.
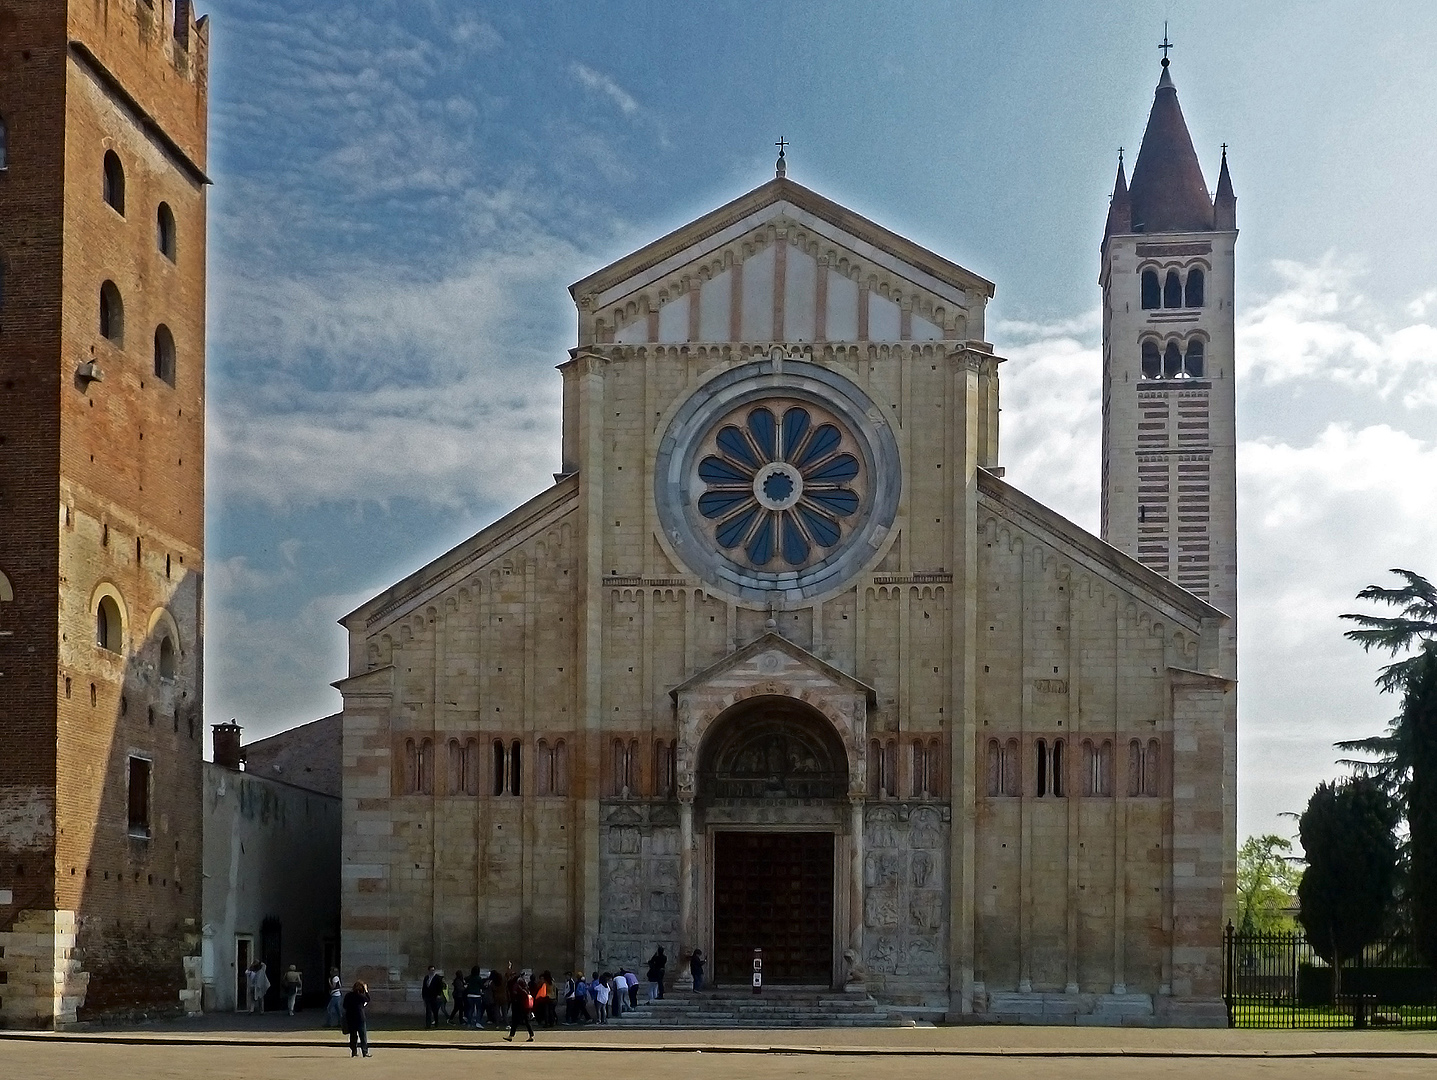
(1174, 361)
(1170, 290)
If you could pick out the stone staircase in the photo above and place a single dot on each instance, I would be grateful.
(776, 1007)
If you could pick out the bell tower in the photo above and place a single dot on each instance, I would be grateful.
(1169, 446)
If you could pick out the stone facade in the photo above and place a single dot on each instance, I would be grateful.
(102, 470)
(1018, 737)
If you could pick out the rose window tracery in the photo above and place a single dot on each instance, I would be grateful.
(779, 486)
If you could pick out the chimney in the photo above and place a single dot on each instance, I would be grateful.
(227, 746)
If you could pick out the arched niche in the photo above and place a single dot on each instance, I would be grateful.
(771, 747)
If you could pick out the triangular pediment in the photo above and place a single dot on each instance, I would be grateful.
(782, 263)
(773, 658)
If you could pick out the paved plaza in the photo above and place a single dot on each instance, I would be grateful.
(277, 1049)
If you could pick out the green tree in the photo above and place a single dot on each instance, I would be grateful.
(1349, 834)
(1404, 759)
(1267, 879)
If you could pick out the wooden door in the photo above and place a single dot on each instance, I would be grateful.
(773, 891)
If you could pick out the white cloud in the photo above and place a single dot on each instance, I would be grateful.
(1318, 327)
(596, 82)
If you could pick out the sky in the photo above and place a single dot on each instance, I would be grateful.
(404, 191)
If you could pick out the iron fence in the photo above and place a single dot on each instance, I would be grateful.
(1279, 981)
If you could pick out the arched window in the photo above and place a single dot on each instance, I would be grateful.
(543, 768)
(1152, 361)
(516, 769)
(883, 769)
(1152, 769)
(4, 145)
(500, 758)
(7, 593)
(918, 782)
(1193, 362)
(1059, 773)
(935, 767)
(164, 354)
(114, 186)
(1172, 361)
(1002, 767)
(561, 767)
(165, 231)
(1135, 767)
(112, 313)
(1195, 287)
(1173, 290)
(1042, 771)
(109, 629)
(1152, 295)
(424, 770)
(666, 768)
(167, 659)
(875, 769)
(411, 766)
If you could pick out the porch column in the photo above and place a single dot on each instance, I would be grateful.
(686, 879)
(855, 879)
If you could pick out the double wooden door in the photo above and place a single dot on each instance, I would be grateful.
(774, 891)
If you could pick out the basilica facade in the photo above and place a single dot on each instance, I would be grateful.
(781, 661)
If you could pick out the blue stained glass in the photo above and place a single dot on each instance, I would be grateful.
(795, 544)
(824, 442)
(731, 532)
(795, 427)
(714, 504)
(841, 502)
(840, 469)
(760, 548)
(731, 441)
(715, 470)
(824, 531)
(761, 425)
(778, 486)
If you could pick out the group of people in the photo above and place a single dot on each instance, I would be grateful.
(258, 984)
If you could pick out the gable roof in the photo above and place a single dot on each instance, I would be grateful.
(778, 190)
(774, 641)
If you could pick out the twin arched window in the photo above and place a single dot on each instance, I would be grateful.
(1052, 773)
(883, 769)
(1173, 362)
(625, 781)
(1144, 768)
(1170, 292)
(418, 778)
(113, 187)
(508, 767)
(464, 767)
(551, 768)
(1097, 767)
(927, 778)
(1003, 772)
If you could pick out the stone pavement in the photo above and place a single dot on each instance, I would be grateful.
(277, 1048)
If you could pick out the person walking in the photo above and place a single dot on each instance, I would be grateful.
(356, 1021)
(696, 968)
(657, 963)
(521, 1008)
(293, 987)
(461, 998)
(432, 991)
(334, 1008)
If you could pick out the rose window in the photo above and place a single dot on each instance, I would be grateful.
(779, 489)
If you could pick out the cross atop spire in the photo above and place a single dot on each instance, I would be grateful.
(1165, 44)
(780, 168)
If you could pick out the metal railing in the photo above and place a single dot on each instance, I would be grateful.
(1278, 980)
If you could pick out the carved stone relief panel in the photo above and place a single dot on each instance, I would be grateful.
(638, 883)
(905, 900)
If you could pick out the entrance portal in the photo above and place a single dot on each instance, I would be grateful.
(773, 891)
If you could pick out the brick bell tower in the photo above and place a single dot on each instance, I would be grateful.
(103, 132)
(1169, 491)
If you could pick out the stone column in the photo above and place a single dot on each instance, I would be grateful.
(683, 978)
(853, 977)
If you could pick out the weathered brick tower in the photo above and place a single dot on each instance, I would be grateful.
(103, 116)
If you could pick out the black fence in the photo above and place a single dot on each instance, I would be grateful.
(1279, 981)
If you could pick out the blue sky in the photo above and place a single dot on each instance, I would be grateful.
(405, 190)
